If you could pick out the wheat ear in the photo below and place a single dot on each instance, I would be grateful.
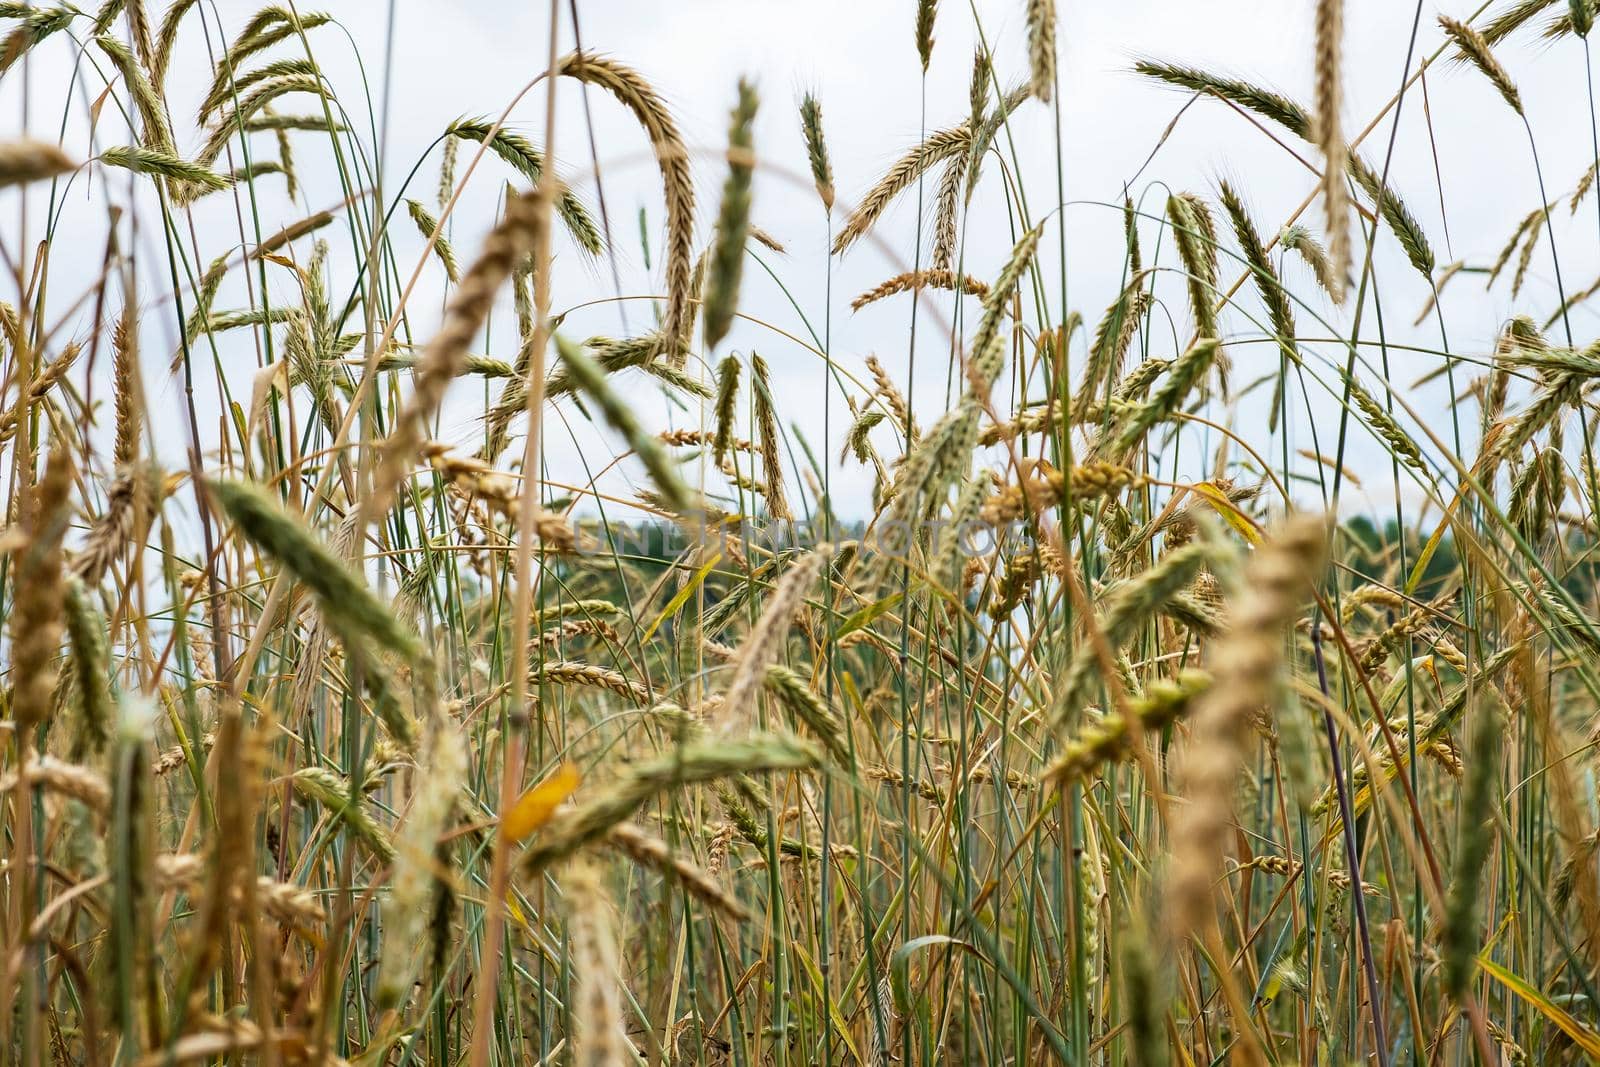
(1245, 671)
(651, 111)
(1330, 137)
(445, 356)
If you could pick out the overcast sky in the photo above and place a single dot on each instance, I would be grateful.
(472, 58)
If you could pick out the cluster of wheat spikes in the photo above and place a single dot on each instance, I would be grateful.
(325, 740)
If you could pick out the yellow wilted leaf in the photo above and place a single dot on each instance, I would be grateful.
(683, 595)
(534, 808)
(515, 911)
(1570, 1025)
(1231, 515)
(1426, 557)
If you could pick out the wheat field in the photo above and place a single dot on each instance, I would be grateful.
(402, 665)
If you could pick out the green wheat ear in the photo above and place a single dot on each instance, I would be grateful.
(345, 599)
(1096, 761)
(733, 223)
(591, 382)
(162, 165)
(817, 150)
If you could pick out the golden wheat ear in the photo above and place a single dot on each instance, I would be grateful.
(445, 356)
(1329, 128)
(27, 161)
(1476, 50)
(1245, 668)
(1041, 17)
(639, 97)
(419, 878)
